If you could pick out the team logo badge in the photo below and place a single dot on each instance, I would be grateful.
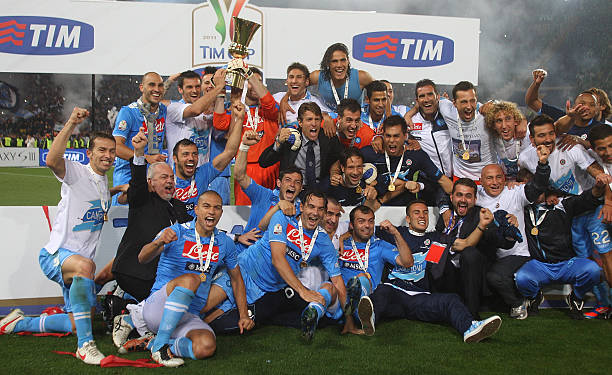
(562, 161)
(278, 229)
(408, 162)
(427, 242)
(584, 137)
(357, 140)
(122, 125)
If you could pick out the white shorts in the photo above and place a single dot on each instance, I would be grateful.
(154, 309)
(313, 277)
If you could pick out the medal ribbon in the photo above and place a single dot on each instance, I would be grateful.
(203, 266)
(362, 265)
(397, 170)
(533, 215)
(308, 249)
(450, 227)
(346, 88)
(253, 121)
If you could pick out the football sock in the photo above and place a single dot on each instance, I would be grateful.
(80, 294)
(176, 305)
(182, 347)
(49, 323)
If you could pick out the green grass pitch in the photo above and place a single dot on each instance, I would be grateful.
(550, 343)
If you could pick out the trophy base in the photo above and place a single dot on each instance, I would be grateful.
(235, 79)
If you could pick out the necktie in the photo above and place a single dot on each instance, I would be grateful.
(310, 165)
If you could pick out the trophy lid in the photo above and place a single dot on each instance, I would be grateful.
(244, 30)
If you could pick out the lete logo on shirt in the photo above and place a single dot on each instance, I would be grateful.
(93, 218)
(190, 250)
(348, 255)
(293, 235)
(159, 125)
(182, 194)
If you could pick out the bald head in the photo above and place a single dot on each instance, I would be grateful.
(492, 179)
(152, 88)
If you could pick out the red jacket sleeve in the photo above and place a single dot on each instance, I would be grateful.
(269, 108)
(221, 121)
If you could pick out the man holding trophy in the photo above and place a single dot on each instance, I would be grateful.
(262, 113)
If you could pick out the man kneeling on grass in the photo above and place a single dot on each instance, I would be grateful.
(190, 254)
(406, 293)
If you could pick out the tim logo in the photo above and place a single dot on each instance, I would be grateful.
(403, 49)
(93, 218)
(23, 35)
(79, 156)
(190, 250)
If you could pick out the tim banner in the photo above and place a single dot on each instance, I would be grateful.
(19, 157)
(74, 154)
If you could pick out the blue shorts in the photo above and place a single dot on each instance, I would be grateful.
(51, 265)
(223, 281)
(590, 234)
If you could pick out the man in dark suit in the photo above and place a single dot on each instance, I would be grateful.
(315, 155)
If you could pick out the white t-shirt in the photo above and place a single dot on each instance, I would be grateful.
(565, 167)
(197, 129)
(343, 227)
(512, 201)
(435, 142)
(477, 140)
(295, 105)
(78, 223)
(508, 153)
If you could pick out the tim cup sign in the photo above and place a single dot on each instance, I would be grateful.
(212, 30)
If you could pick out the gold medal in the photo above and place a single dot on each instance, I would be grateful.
(534, 231)
(303, 264)
(105, 216)
(358, 189)
(203, 277)
(391, 187)
(465, 155)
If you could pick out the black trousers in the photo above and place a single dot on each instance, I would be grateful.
(501, 278)
(393, 303)
(137, 288)
(469, 280)
(285, 303)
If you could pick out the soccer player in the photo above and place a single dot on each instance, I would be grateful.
(186, 118)
(262, 116)
(270, 268)
(331, 221)
(374, 112)
(554, 260)
(191, 181)
(398, 169)
(67, 258)
(297, 82)
(407, 293)
(147, 112)
(336, 80)
(190, 254)
(363, 256)
(352, 132)
(494, 195)
(265, 202)
(353, 190)
(472, 146)
(502, 120)
(429, 127)
(399, 108)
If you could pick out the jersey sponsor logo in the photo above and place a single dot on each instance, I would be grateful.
(293, 236)
(417, 126)
(159, 125)
(31, 35)
(352, 266)
(403, 49)
(92, 219)
(349, 255)
(196, 267)
(293, 254)
(189, 206)
(417, 271)
(182, 194)
(190, 250)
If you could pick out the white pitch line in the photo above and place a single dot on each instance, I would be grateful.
(25, 174)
